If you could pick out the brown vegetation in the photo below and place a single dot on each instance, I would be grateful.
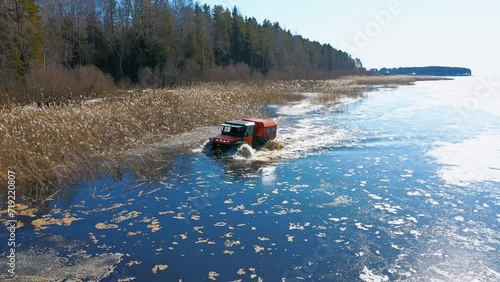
(51, 145)
(273, 145)
(54, 86)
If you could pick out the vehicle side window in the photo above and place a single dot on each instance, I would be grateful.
(271, 130)
(250, 131)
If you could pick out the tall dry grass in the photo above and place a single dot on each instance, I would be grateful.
(49, 146)
(53, 85)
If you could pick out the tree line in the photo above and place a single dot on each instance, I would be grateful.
(431, 70)
(47, 44)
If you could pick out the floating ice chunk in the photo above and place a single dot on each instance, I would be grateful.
(416, 193)
(212, 275)
(359, 225)
(368, 275)
(295, 226)
(376, 197)
(397, 247)
(432, 202)
(387, 207)
(398, 221)
(411, 218)
(258, 248)
(415, 233)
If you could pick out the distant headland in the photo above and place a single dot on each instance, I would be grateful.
(433, 71)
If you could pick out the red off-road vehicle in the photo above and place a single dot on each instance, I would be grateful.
(252, 131)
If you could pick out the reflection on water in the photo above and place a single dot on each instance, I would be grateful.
(358, 193)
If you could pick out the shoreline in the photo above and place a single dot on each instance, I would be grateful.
(50, 148)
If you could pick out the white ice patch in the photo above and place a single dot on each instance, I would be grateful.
(473, 160)
(475, 92)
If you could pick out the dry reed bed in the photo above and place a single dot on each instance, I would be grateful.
(49, 146)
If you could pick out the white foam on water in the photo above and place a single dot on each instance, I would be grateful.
(306, 106)
(473, 160)
(244, 151)
(303, 138)
(297, 109)
(348, 100)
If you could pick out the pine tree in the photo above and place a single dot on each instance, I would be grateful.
(29, 36)
(238, 41)
(222, 34)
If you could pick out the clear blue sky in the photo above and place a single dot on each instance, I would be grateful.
(392, 33)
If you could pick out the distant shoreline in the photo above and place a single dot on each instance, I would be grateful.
(438, 71)
(51, 147)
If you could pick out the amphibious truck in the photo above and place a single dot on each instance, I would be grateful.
(252, 131)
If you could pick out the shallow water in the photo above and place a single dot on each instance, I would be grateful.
(401, 185)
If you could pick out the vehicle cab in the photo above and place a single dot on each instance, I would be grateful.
(235, 131)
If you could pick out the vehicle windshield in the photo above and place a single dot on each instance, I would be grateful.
(237, 131)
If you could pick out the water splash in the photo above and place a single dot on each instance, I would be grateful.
(244, 151)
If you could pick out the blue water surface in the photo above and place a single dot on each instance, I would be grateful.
(368, 206)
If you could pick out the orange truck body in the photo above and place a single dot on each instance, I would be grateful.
(252, 131)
